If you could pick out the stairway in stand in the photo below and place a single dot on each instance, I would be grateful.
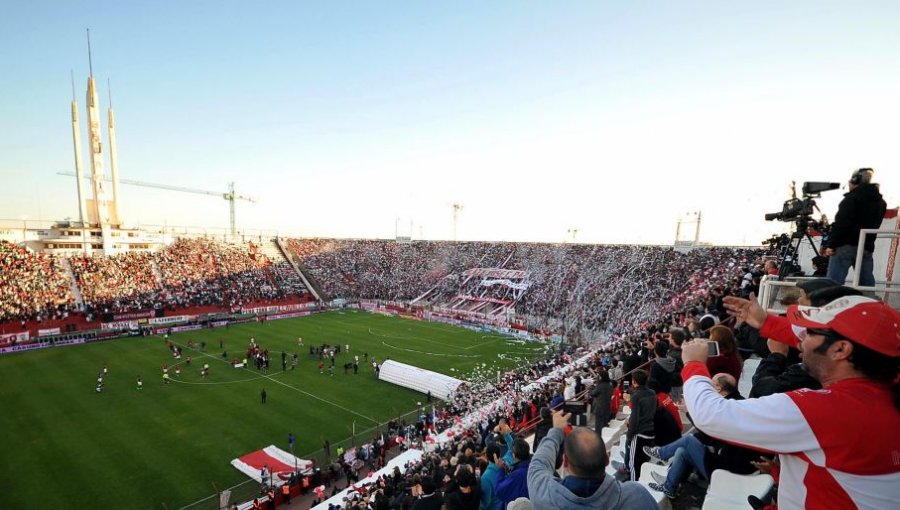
(157, 274)
(76, 291)
(297, 267)
(285, 273)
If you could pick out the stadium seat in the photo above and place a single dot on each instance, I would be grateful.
(646, 479)
(729, 491)
(746, 382)
(611, 433)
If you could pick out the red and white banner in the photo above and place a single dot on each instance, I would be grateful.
(48, 332)
(279, 464)
(9, 338)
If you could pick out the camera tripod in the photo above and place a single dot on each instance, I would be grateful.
(787, 259)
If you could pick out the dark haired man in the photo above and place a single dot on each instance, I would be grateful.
(862, 207)
(429, 499)
(677, 336)
(838, 446)
(640, 423)
(467, 495)
(662, 369)
(586, 484)
(489, 499)
(775, 373)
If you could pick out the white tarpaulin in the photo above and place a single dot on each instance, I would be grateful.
(419, 379)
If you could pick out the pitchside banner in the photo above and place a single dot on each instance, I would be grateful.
(286, 316)
(278, 308)
(119, 325)
(133, 315)
(40, 345)
(9, 338)
(157, 321)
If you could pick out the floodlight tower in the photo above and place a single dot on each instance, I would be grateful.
(113, 159)
(456, 209)
(79, 172)
(99, 208)
(697, 232)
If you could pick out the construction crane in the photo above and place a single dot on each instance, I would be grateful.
(229, 195)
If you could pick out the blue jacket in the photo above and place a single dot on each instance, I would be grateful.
(508, 456)
(489, 499)
(545, 491)
(514, 484)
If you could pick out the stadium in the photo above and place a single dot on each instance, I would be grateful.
(220, 366)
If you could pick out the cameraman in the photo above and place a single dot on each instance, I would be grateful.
(862, 207)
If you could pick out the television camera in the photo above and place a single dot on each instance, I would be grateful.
(799, 211)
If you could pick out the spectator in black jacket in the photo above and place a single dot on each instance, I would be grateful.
(464, 494)
(428, 498)
(542, 427)
(632, 360)
(677, 336)
(602, 399)
(862, 207)
(640, 423)
(663, 368)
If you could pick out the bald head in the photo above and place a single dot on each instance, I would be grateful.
(725, 382)
(585, 453)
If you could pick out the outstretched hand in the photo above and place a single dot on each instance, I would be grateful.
(560, 420)
(746, 310)
(695, 350)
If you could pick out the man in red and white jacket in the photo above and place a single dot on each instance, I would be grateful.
(839, 446)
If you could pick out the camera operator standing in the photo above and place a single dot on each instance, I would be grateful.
(862, 207)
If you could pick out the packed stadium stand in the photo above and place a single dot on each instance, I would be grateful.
(636, 299)
(573, 288)
(196, 272)
(31, 285)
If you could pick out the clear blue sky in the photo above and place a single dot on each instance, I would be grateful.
(614, 118)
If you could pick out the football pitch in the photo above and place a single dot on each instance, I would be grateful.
(66, 446)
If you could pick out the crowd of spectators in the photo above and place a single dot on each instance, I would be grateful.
(642, 366)
(646, 302)
(32, 285)
(189, 272)
(117, 283)
(199, 272)
(577, 289)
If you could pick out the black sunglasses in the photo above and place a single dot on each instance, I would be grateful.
(827, 333)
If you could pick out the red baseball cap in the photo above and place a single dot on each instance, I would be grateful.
(866, 321)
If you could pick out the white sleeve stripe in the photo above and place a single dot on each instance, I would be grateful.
(773, 423)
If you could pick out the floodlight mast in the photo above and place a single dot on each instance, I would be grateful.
(456, 209)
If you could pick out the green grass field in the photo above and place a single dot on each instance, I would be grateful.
(65, 446)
